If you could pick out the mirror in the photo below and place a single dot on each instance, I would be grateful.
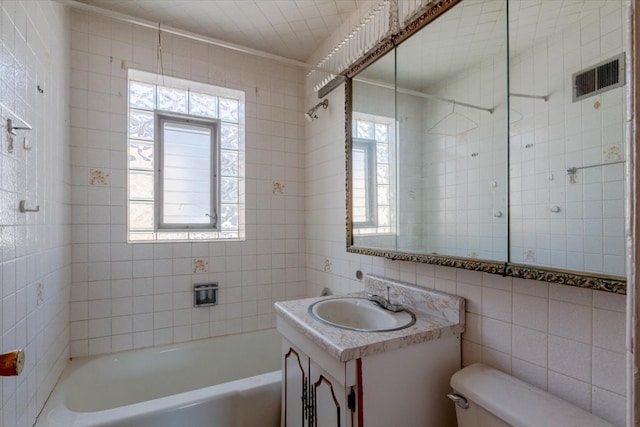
(567, 153)
(466, 147)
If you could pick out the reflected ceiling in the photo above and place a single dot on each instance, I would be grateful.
(473, 30)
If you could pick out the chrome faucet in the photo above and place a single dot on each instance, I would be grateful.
(385, 303)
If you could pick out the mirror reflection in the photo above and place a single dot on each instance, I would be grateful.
(373, 156)
(497, 138)
(447, 130)
(566, 122)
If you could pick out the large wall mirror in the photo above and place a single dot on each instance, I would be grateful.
(490, 135)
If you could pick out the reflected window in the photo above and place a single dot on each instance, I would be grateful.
(372, 174)
(185, 160)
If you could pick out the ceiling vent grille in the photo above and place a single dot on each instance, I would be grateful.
(601, 77)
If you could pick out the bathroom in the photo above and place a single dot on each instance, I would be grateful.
(72, 286)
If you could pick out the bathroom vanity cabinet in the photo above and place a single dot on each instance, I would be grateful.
(334, 377)
(405, 387)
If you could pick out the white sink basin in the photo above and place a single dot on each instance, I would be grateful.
(360, 314)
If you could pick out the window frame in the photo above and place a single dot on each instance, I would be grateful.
(371, 181)
(160, 119)
(366, 229)
(228, 104)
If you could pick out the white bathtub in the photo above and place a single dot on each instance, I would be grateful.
(231, 381)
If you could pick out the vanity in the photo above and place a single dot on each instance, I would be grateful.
(357, 370)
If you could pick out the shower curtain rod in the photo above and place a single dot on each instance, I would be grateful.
(422, 94)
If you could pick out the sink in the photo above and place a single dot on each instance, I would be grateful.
(360, 314)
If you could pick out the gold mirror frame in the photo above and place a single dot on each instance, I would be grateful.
(599, 282)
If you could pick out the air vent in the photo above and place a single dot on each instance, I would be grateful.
(601, 77)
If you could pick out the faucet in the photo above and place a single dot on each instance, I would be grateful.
(385, 302)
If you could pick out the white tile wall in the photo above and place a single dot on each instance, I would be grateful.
(35, 257)
(131, 296)
(464, 163)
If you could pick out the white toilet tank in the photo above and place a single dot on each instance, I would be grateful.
(496, 399)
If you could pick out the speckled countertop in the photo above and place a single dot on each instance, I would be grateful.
(437, 315)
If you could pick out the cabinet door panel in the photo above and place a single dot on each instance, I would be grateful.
(295, 366)
(329, 399)
(327, 407)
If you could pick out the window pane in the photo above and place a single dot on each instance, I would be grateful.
(228, 163)
(383, 174)
(204, 235)
(170, 99)
(382, 153)
(141, 125)
(163, 235)
(140, 155)
(229, 217)
(186, 174)
(229, 110)
(141, 185)
(203, 105)
(229, 136)
(384, 216)
(134, 236)
(229, 190)
(141, 216)
(364, 130)
(359, 186)
(142, 95)
(384, 197)
(381, 132)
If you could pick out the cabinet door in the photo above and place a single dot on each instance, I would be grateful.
(294, 394)
(329, 400)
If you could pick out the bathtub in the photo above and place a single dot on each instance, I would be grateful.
(230, 381)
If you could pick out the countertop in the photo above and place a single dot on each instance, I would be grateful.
(346, 345)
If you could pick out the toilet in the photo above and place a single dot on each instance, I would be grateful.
(486, 397)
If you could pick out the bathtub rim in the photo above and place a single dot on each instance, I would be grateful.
(55, 412)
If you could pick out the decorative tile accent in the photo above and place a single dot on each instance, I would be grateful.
(530, 256)
(612, 153)
(98, 177)
(200, 265)
(278, 188)
(327, 266)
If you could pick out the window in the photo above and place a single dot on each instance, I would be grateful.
(186, 160)
(372, 159)
(187, 171)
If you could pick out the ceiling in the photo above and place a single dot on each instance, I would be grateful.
(287, 28)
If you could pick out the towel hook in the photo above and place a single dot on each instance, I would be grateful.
(23, 207)
(12, 129)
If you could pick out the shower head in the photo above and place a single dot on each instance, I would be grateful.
(310, 116)
(311, 112)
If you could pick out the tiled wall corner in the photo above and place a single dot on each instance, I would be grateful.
(35, 257)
